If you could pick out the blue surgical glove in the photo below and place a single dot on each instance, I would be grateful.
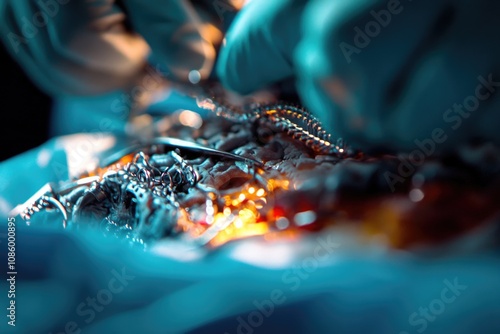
(84, 47)
(419, 75)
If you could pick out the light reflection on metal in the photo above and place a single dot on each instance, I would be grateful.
(304, 218)
(177, 144)
(191, 119)
(194, 77)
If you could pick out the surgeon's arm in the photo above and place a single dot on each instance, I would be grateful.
(378, 73)
(84, 47)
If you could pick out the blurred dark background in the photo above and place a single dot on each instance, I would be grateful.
(25, 110)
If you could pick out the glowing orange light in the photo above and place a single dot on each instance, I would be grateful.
(238, 217)
(238, 223)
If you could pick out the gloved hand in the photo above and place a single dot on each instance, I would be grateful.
(84, 47)
(410, 75)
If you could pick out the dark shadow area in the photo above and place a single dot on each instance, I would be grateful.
(25, 110)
